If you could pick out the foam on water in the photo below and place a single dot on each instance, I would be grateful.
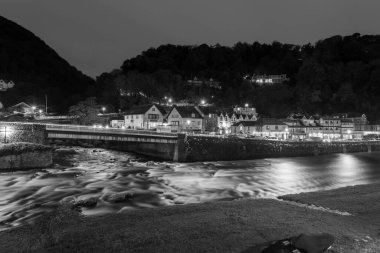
(122, 181)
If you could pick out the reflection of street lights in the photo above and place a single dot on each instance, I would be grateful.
(5, 134)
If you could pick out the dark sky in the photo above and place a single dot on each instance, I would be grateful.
(98, 35)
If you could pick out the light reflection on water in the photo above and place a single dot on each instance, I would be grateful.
(121, 185)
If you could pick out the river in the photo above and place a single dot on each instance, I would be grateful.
(119, 181)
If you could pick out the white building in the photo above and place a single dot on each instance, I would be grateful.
(117, 122)
(185, 119)
(226, 120)
(144, 117)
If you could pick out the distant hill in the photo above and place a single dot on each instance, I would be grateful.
(36, 69)
(337, 74)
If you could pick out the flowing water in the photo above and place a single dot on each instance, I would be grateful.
(105, 181)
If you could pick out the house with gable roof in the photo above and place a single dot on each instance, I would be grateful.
(144, 117)
(185, 119)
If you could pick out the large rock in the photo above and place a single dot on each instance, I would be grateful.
(120, 197)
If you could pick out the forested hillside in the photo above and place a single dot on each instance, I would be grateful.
(338, 74)
(36, 69)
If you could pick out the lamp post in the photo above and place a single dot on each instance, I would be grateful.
(103, 109)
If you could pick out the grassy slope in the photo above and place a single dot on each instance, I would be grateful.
(362, 201)
(214, 227)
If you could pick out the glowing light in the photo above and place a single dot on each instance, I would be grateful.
(170, 100)
(40, 111)
(203, 102)
(34, 108)
(246, 105)
(107, 127)
(188, 122)
(348, 131)
(103, 109)
(123, 127)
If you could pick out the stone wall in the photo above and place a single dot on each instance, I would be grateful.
(164, 151)
(201, 148)
(27, 160)
(15, 132)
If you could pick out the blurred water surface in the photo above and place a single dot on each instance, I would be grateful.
(106, 181)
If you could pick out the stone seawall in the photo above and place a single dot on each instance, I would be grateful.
(202, 148)
(24, 156)
(16, 132)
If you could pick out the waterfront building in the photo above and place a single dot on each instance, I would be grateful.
(144, 117)
(210, 118)
(237, 114)
(244, 127)
(22, 108)
(264, 127)
(185, 119)
(117, 121)
(270, 127)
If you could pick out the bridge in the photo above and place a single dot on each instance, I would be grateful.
(156, 144)
(167, 146)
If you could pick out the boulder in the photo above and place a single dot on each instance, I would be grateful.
(120, 197)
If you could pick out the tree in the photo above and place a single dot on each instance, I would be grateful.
(85, 111)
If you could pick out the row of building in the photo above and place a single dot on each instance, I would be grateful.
(237, 121)
(244, 121)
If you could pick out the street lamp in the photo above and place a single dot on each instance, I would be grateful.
(246, 105)
(103, 109)
(203, 102)
(170, 100)
(40, 111)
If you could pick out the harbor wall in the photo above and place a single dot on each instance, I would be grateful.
(15, 132)
(203, 148)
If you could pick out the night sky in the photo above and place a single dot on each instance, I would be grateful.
(98, 35)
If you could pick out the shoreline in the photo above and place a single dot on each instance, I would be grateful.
(224, 226)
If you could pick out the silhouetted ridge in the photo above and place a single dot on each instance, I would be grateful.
(37, 69)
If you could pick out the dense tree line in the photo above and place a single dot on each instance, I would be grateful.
(36, 69)
(338, 74)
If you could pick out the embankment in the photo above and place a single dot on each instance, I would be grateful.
(202, 148)
(26, 132)
(22, 155)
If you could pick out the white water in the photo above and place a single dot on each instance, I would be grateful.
(105, 174)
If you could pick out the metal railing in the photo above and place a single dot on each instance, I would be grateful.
(92, 129)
